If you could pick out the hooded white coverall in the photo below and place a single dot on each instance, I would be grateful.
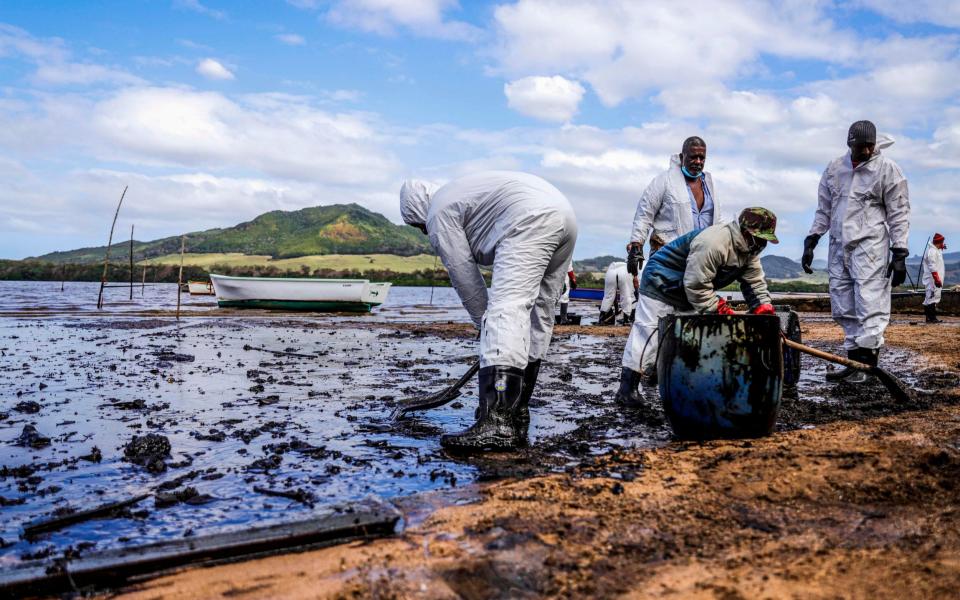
(867, 212)
(617, 279)
(522, 226)
(932, 263)
(664, 212)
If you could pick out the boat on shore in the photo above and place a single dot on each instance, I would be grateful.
(200, 288)
(586, 294)
(295, 293)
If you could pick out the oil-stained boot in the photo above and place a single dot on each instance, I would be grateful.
(522, 411)
(931, 311)
(563, 313)
(496, 426)
(630, 393)
(868, 357)
(846, 372)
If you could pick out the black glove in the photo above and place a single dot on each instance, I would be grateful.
(898, 266)
(809, 243)
(635, 259)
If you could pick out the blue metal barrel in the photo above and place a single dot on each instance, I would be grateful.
(720, 376)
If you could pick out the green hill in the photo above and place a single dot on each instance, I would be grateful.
(334, 229)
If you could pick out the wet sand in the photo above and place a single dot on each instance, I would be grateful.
(866, 504)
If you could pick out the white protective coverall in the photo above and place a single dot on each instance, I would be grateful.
(932, 263)
(716, 248)
(520, 225)
(664, 212)
(617, 279)
(867, 212)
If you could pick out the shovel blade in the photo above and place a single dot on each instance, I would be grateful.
(896, 387)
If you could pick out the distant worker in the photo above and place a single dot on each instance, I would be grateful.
(686, 276)
(569, 284)
(932, 276)
(525, 228)
(677, 201)
(618, 282)
(865, 205)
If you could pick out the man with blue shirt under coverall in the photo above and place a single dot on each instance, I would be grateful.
(686, 276)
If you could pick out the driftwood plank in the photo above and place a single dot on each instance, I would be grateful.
(39, 526)
(113, 568)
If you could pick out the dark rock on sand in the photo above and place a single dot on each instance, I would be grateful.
(27, 407)
(32, 438)
(148, 451)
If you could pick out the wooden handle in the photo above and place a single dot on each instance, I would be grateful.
(859, 366)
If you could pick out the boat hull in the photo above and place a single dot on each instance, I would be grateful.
(586, 294)
(299, 294)
(200, 288)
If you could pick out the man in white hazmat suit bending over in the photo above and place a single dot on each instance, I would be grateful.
(618, 281)
(864, 203)
(526, 229)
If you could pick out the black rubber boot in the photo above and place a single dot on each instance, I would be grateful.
(844, 373)
(867, 357)
(521, 413)
(630, 393)
(563, 313)
(931, 311)
(496, 426)
(607, 318)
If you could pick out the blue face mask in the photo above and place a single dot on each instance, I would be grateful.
(689, 174)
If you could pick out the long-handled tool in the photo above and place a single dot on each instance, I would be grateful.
(893, 385)
(436, 399)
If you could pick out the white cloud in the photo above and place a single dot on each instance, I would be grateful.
(82, 74)
(53, 61)
(291, 39)
(937, 12)
(213, 69)
(197, 7)
(384, 17)
(547, 98)
(627, 48)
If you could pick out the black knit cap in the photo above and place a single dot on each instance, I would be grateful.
(862, 132)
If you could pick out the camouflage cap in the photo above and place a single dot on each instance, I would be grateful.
(760, 222)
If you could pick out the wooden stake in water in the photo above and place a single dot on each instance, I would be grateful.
(63, 275)
(106, 256)
(183, 246)
(433, 277)
(131, 262)
(143, 284)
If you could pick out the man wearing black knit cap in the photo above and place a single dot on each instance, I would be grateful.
(865, 205)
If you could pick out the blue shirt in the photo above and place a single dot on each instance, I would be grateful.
(703, 217)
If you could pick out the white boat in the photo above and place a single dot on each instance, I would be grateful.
(295, 293)
(200, 288)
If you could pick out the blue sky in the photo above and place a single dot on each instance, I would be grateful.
(214, 112)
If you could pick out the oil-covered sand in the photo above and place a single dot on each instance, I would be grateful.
(854, 496)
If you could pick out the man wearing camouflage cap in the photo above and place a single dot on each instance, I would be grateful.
(864, 203)
(685, 275)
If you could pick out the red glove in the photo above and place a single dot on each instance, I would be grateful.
(936, 279)
(573, 279)
(723, 308)
(763, 309)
